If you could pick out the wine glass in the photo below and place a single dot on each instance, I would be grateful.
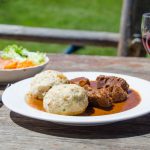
(145, 29)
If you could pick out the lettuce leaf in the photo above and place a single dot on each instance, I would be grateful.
(37, 57)
(12, 52)
(19, 53)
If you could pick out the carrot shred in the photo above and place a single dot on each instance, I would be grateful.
(25, 64)
(16, 64)
(11, 65)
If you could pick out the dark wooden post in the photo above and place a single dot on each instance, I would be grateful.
(130, 43)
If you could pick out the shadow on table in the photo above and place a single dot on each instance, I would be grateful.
(1, 104)
(134, 127)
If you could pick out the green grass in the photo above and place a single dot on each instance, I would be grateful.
(95, 15)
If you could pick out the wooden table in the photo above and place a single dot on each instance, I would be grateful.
(22, 133)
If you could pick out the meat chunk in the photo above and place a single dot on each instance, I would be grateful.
(108, 90)
(100, 98)
(118, 94)
(82, 81)
(105, 97)
(109, 81)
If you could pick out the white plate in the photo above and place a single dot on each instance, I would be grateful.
(13, 75)
(14, 98)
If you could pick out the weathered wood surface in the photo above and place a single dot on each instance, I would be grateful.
(22, 133)
(130, 43)
(75, 37)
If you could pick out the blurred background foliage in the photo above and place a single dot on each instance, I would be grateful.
(95, 15)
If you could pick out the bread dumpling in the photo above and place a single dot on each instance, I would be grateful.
(66, 99)
(45, 80)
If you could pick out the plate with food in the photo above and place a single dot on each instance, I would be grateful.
(17, 63)
(79, 98)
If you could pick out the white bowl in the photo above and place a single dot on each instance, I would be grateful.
(13, 75)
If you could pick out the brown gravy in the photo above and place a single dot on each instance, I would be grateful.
(132, 101)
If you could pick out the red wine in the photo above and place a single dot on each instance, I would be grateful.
(146, 42)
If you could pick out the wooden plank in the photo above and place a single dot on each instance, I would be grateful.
(125, 31)
(75, 37)
(23, 133)
(130, 33)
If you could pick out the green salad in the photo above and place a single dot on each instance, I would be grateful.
(20, 53)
